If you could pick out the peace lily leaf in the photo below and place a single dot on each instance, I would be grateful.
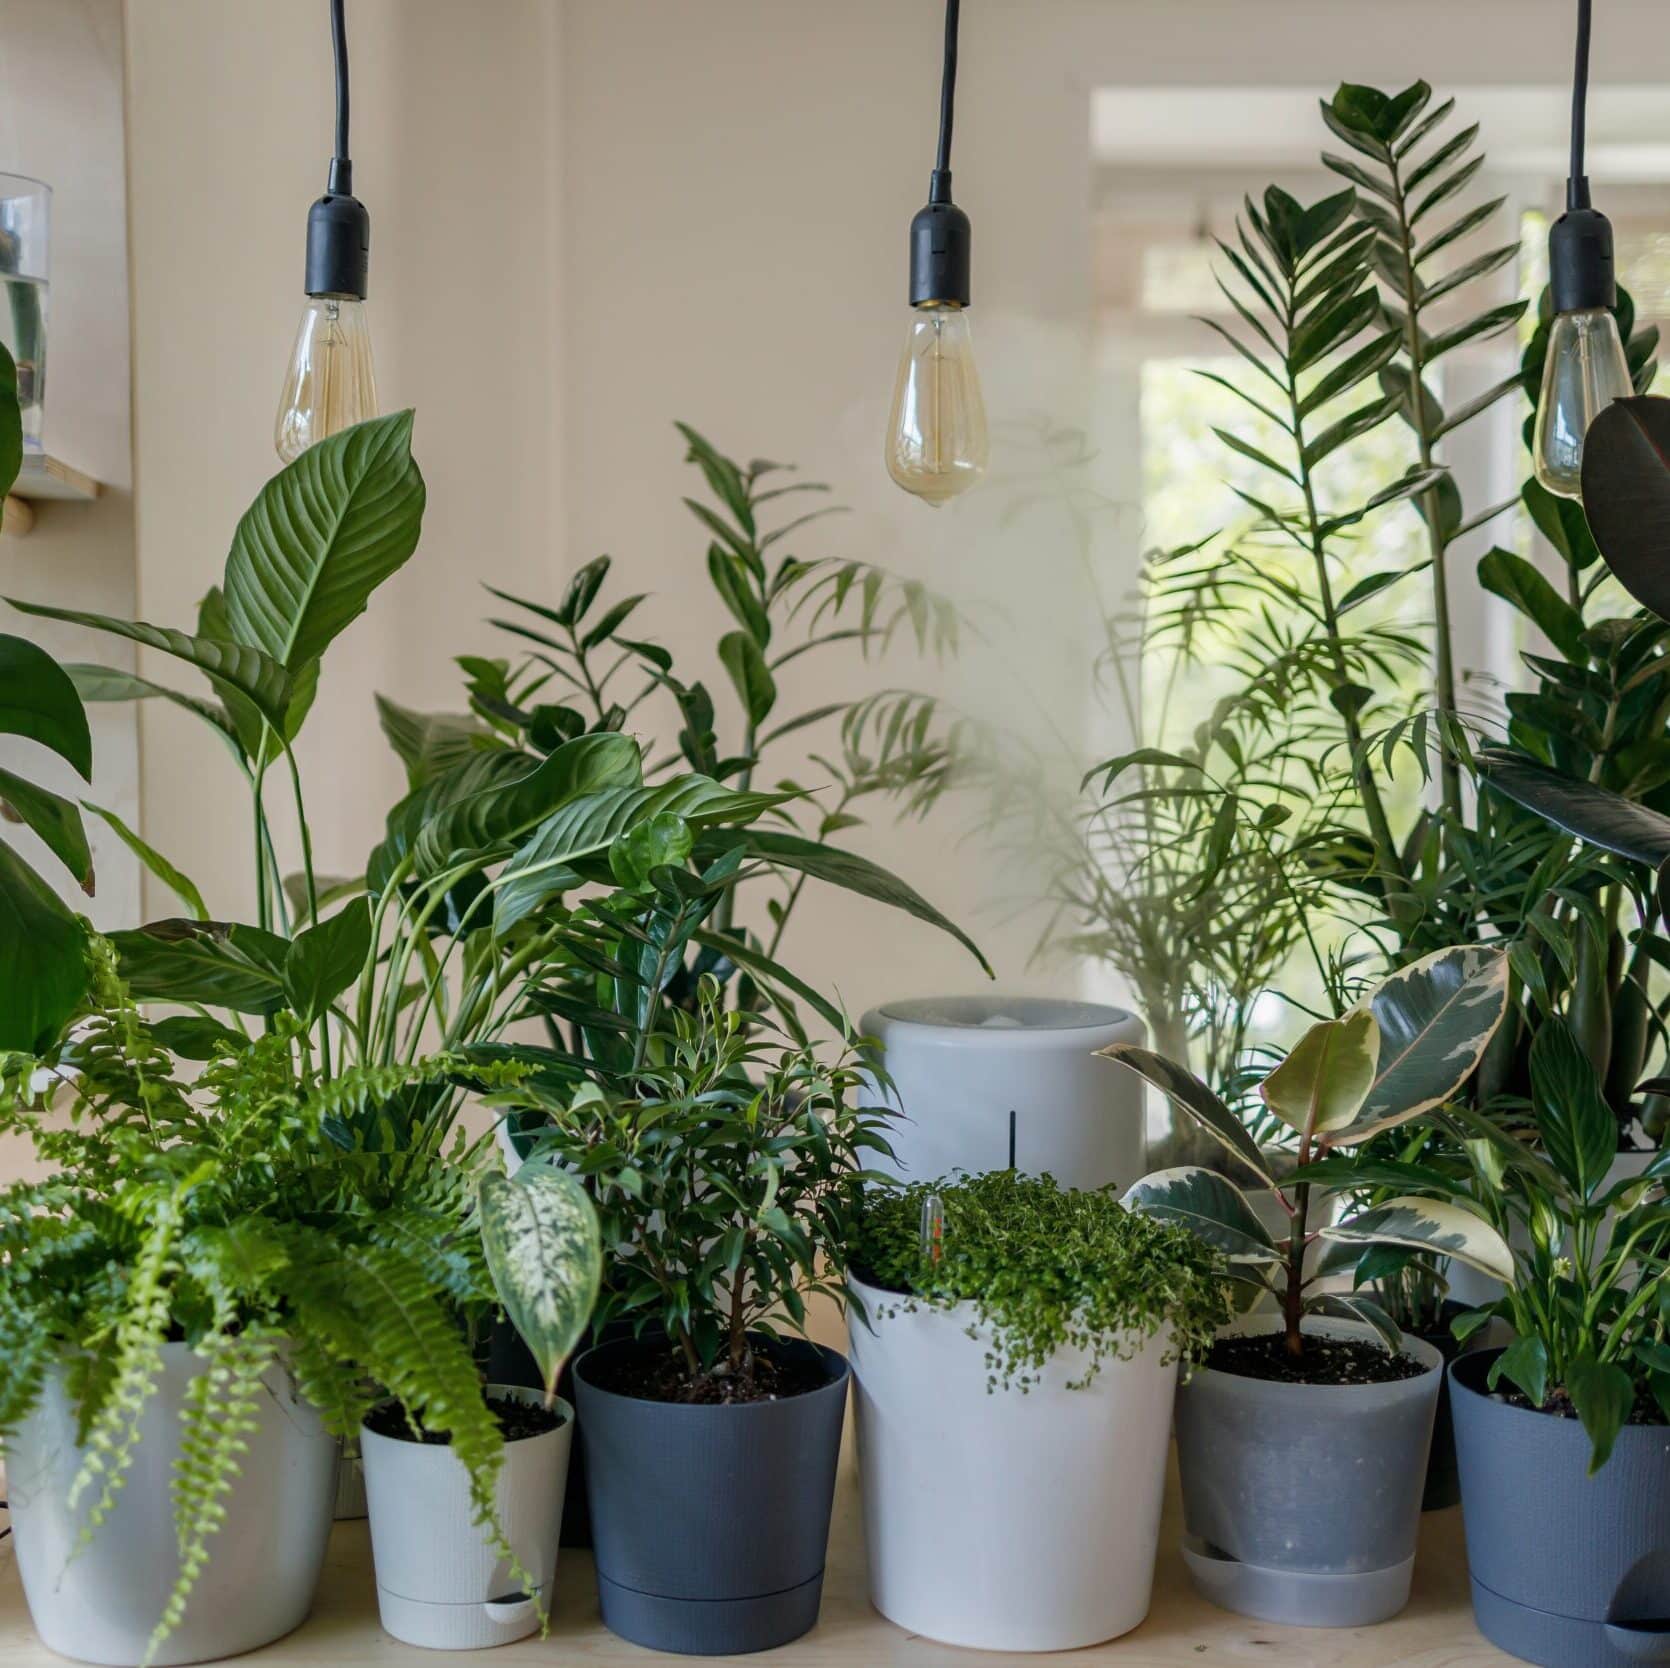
(43, 961)
(452, 787)
(325, 960)
(54, 819)
(110, 683)
(594, 821)
(849, 871)
(232, 668)
(1323, 1083)
(1603, 1395)
(1188, 1094)
(177, 883)
(1578, 1130)
(11, 425)
(197, 1037)
(1436, 1018)
(1445, 1229)
(430, 743)
(322, 535)
(545, 1253)
(1210, 1206)
(1626, 495)
(39, 701)
(1525, 1363)
(221, 964)
(485, 823)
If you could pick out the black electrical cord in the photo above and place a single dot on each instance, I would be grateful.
(948, 92)
(342, 175)
(1577, 184)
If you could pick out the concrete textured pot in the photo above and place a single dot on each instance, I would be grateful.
(1567, 1569)
(440, 1583)
(1001, 1520)
(710, 1523)
(961, 1065)
(1301, 1501)
(100, 1602)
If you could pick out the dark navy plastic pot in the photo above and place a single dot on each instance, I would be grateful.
(1568, 1570)
(710, 1524)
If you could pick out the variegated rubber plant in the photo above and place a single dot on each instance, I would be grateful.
(1403, 1051)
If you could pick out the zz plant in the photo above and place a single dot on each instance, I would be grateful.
(1403, 1053)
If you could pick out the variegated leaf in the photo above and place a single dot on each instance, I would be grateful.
(1188, 1094)
(1438, 1226)
(1210, 1206)
(1355, 1307)
(1321, 1085)
(1436, 1019)
(544, 1251)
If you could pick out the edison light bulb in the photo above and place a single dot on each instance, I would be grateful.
(331, 383)
(1584, 373)
(936, 436)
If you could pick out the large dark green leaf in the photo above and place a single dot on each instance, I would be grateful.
(1626, 495)
(1595, 814)
(594, 821)
(1578, 1130)
(323, 534)
(847, 870)
(38, 700)
(404, 823)
(1186, 1092)
(487, 822)
(1604, 1397)
(11, 425)
(1436, 1018)
(323, 961)
(231, 667)
(43, 958)
(254, 739)
(1513, 579)
(54, 819)
(1210, 1206)
(220, 964)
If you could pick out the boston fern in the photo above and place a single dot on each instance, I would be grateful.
(236, 1214)
(1044, 1269)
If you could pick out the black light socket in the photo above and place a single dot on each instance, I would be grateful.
(940, 240)
(1580, 274)
(338, 239)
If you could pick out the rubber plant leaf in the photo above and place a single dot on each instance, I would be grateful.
(1626, 496)
(1189, 1095)
(1322, 1084)
(545, 1253)
(1438, 1226)
(1211, 1206)
(38, 701)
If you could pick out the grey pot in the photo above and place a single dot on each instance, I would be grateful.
(710, 1524)
(99, 1602)
(1567, 1569)
(1301, 1502)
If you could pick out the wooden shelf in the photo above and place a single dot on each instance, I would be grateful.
(1436, 1631)
(44, 476)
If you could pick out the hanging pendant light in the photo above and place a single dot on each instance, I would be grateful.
(1585, 370)
(330, 383)
(936, 433)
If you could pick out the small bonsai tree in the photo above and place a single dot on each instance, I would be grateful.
(1403, 1052)
(1045, 1269)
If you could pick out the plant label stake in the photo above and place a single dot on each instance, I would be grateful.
(933, 1228)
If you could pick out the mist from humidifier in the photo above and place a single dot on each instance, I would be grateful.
(937, 445)
(331, 383)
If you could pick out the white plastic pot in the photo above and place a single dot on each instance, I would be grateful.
(962, 1066)
(997, 1520)
(100, 1602)
(440, 1584)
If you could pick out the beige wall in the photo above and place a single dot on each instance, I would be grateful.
(593, 217)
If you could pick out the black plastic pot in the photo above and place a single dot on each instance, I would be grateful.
(1568, 1570)
(710, 1523)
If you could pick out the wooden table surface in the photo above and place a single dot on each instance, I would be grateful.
(1436, 1631)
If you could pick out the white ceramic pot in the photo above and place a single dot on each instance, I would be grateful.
(962, 1065)
(439, 1582)
(100, 1602)
(997, 1520)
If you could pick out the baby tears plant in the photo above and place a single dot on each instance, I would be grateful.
(1046, 1269)
(1403, 1052)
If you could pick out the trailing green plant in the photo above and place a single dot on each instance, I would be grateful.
(237, 1214)
(727, 1183)
(1403, 1053)
(1045, 1270)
